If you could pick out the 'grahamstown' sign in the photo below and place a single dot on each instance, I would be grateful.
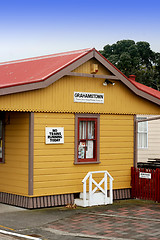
(88, 97)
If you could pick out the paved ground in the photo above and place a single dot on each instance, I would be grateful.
(123, 220)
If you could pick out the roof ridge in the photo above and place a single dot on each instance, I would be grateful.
(46, 56)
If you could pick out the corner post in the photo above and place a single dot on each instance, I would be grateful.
(135, 141)
(31, 153)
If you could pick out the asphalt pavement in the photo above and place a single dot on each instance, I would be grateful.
(126, 219)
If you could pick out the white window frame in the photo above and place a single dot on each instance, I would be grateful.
(142, 132)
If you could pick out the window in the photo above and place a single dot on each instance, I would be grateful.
(1, 139)
(87, 138)
(142, 133)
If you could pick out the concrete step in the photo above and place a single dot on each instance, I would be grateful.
(80, 202)
(98, 193)
(98, 198)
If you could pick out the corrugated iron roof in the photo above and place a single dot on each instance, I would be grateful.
(36, 69)
(149, 90)
(39, 69)
(141, 87)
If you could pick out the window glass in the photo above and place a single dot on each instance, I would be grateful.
(91, 129)
(89, 149)
(142, 140)
(142, 133)
(82, 130)
(142, 127)
(86, 140)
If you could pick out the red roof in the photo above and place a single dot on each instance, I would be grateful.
(149, 90)
(144, 88)
(36, 69)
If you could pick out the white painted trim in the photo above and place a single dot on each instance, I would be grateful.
(93, 198)
(145, 118)
(19, 235)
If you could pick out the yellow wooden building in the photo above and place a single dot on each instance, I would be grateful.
(62, 116)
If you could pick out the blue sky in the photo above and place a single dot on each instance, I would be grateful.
(38, 27)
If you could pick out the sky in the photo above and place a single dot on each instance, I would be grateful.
(30, 28)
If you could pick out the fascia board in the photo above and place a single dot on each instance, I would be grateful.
(126, 81)
(45, 83)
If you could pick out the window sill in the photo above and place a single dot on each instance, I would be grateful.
(80, 163)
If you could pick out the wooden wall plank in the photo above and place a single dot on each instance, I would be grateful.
(118, 98)
(14, 172)
(54, 164)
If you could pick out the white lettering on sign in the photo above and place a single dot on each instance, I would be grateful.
(145, 175)
(88, 97)
(54, 135)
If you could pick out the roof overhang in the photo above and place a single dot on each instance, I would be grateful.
(48, 81)
(117, 75)
(125, 80)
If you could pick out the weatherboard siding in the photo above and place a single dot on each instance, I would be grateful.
(59, 97)
(153, 149)
(14, 172)
(54, 169)
(87, 66)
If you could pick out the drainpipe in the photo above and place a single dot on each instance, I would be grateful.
(133, 78)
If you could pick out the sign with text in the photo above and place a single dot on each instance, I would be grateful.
(145, 175)
(54, 135)
(88, 97)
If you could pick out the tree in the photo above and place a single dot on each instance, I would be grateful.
(135, 58)
(157, 71)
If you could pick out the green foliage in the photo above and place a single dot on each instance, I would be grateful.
(135, 58)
